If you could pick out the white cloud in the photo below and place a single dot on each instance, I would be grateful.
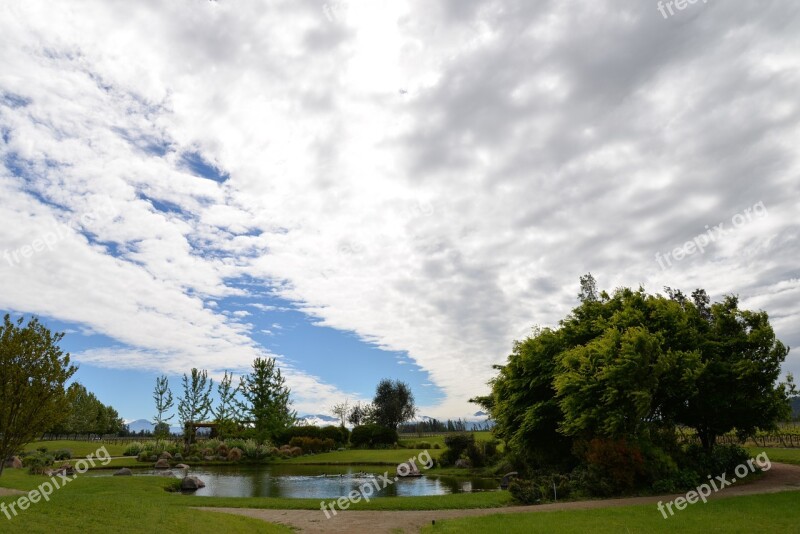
(533, 143)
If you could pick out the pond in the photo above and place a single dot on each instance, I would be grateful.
(316, 481)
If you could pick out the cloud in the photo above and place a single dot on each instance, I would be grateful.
(534, 143)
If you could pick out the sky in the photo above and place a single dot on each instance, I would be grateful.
(368, 190)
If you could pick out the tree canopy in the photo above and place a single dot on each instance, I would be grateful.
(632, 366)
(266, 399)
(33, 372)
(393, 404)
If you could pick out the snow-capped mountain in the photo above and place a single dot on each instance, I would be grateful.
(317, 420)
(138, 425)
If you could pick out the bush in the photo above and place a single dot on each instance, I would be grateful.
(38, 461)
(312, 445)
(437, 446)
(373, 436)
(540, 488)
(133, 449)
(612, 466)
(458, 445)
(63, 454)
(234, 455)
(338, 434)
(143, 456)
(722, 459)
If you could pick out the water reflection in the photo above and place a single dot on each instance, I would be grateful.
(298, 481)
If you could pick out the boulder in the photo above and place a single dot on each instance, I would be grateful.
(408, 469)
(165, 456)
(462, 463)
(162, 464)
(181, 466)
(167, 473)
(14, 463)
(124, 472)
(192, 484)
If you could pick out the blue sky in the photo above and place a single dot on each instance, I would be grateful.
(366, 190)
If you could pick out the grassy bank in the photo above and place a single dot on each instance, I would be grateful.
(777, 512)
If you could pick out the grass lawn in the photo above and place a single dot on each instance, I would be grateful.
(784, 456)
(778, 512)
(117, 504)
(362, 457)
(78, 448)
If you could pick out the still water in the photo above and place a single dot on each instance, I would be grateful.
(316, 481)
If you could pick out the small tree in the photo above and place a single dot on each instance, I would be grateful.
(163, 398)
(393, 403)
(360, 414)
(341, 410)
(195, 403)
(226, 413)
(33, 370)
(266, 403)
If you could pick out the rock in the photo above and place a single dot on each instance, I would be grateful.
(162, 464)
(14, 463)
(181, 466)
(192, 484)
(167, 473)
(408, 469)
(165, 456)
(124, 472)
(210, 458)
(462, 463)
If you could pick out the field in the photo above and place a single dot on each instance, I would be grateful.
(140, 504)
(778, 512)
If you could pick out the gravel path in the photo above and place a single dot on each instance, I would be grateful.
(781, 477)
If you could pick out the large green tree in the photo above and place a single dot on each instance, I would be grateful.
(266, 403)
(33, 371)
(632, 366)
(393, 404)
(87, 415)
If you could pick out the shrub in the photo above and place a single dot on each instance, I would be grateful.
(222, 449)
(612, 466)
(458, 445)
(540, 488)
(314, 445)
(295, 451)
(143, 456)
(234, 455)
(38, 461)
(722, 459)
(437, 446)
(372, 436)
(63, 454)
(133, 449)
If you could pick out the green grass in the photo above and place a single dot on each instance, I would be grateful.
(117, 504)
(456, 501)
(78, 448)
(757, 513)
(362, 457)
(784, 456)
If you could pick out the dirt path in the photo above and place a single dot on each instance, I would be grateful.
(8, 491)
(781, 477)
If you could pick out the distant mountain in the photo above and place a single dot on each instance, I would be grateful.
(143, 424)
(317, 420)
